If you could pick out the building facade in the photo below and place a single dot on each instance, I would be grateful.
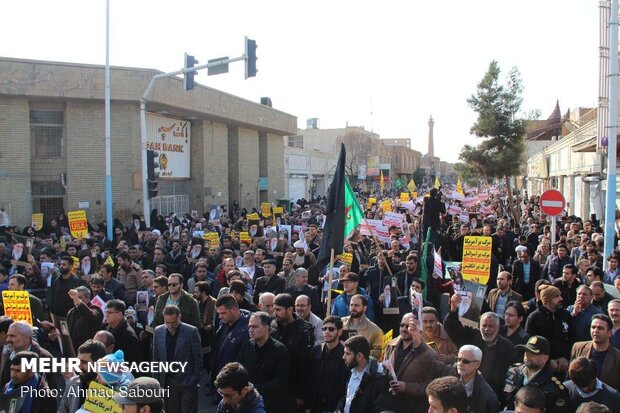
(53, 149)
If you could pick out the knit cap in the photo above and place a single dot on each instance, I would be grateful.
(548, 293)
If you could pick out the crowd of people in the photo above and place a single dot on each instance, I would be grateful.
(252, 311)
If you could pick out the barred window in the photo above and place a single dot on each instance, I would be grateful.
(46, 133)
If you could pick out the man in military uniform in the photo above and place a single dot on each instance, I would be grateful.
(535, 371)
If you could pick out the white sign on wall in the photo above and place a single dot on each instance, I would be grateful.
(171, 139)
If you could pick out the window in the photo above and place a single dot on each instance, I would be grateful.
(48, 197)
(296, 141)
(46, 133)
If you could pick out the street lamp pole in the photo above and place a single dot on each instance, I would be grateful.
(108, 155)
(612, 134)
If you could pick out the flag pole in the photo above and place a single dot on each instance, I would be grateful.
(329, 283)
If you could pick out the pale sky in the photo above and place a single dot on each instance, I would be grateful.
(338, 61)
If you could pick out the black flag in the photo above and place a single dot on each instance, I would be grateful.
(333, 232)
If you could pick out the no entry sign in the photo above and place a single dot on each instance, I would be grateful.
(552, 202)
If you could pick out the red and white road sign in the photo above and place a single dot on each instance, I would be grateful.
(552, 202)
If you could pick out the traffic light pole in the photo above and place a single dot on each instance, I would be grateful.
(146, 202)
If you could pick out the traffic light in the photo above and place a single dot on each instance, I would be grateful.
(151, 179)
(188, 80)
(250, 58)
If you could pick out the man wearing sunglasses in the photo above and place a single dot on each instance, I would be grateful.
(182, 299)
(329, 372)
(480, 396)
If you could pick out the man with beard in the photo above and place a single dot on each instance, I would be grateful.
(268, 364)
(329, 372)
(128, 273)
(582, 312)
(111, 284)
(73, 397)
(536, 372)
(302, 258)
(497, 352)
(406, 276)
(125, 337)
(296, 335)
(365, 387)
(568, 283)
(525, 273)
(359, 324)
(554, 323)
(300, 287)
(415, 365)
(554, 266)
(59, 302)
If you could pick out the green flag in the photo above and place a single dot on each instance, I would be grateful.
(424, 269)
(353, 213)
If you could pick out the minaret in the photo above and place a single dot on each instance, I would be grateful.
(431, 146)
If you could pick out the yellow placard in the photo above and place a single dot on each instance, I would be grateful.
(245, 237)
(17, 305)
(387, 337)
(109, 261)
(476, 264)
(100, 399)
(37, 222)
(372, 201)
(265, 209)
(212, 237)
(252, 217)
(278, 210)
(386, 206)
(78, 224)
(76, 263)
(346, 258)
(404, 197)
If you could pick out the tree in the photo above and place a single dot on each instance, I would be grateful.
(500, 153)
(359, 147)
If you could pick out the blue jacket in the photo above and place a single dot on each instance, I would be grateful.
(340, 307)
(228, 341)
(253, 403)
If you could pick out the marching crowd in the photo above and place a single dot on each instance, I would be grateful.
(255, 311)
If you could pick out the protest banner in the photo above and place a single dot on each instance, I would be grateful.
(278, 210)
(37, 222)
(392, 218)
(369, 225)
(387, 337)
(78, 224)
(383, 234)
(17, 305)
(386, 206)
(454, 210)
(477, 259)
(265, 209)
(245, 237)
(213, 238)
(252, 217)
(346, 258)
(100, 399)
(404, 197)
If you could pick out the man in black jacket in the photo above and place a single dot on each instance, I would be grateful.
(268, 364)
(366, 388)
(555, 324)
(329, 372)
(298, 337)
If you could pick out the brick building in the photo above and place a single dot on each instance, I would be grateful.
(52, 142)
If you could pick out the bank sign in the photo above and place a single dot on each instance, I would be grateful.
(171, 139)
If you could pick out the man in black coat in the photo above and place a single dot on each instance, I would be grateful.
(329, 372)
(83, 320)
(298, 337)
(433, 208)
(125, 337)
(270, 282)
(523, 282)
(268, 365)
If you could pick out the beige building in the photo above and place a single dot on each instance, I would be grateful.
(52, 142)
